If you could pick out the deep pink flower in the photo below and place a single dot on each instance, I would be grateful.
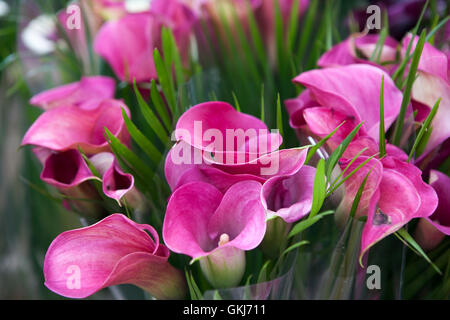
(372, 148)
(218, 128)
(393, 195)
(216, 228)
(86, 93)
(431, 230)
(402, 196)
(222, 177)
(68, 172)
(68, 127)
(116, 184)
(128, 43)
(333, 95)
(113, 251)
(289, 196)
(431, 84)
(358, 49)
(218, 145)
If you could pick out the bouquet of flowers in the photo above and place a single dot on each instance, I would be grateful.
(241, 149)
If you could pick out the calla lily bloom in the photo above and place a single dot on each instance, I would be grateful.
(358, 49)
(127, 44)
(86, 93)
(432, 230)
(181, 171)
(338, 97)
(402, 196)
(114, 251)
(286, 199)
(393, 195)
(69, 173)
(289, 196)
(68, 127)
(116, 183)
(225, 135)
(372, 148)
(431, 84)
(221, 146)
(216, 228)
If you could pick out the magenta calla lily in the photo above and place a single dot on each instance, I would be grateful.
(289, 196)
(66, 170)
(343, 98)
(393, 195)
(432, 230)
(402, 196)
(198, 214)
(113, 251)
(441, 217)
(116, 183)
(86, 93)
(179, 172)
(218, 128)
(127, 44)
(372, 148)
(345, 52)
(205, 224)
(431, 84)
(68, 127)
(69, 173)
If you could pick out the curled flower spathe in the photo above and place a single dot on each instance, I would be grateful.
(216, 228)
(86, 93)
(70, 127)
(116, 184)
(432, 230)
(334, 95)
(113, 251)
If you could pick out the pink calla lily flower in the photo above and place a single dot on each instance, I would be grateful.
(346, 52)
(114, 251)
(289, 196)
(393, 195)
(431, 84)
(402, 196)
(116, 184)
(432, 230)
(127, 44)
(68, 127)
(221, 176)
(198, 125)
(66, 169)
(216, 228)
(68, 172)
(86, 93)
(339, 97)
(225, 136)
